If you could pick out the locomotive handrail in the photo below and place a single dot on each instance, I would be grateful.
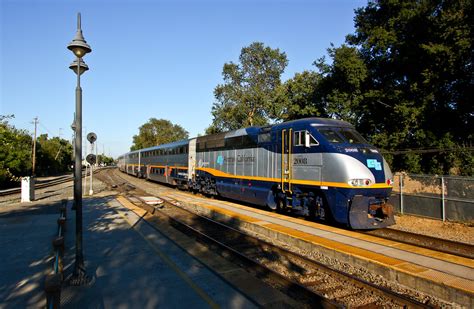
(283, 159)
(290, 160)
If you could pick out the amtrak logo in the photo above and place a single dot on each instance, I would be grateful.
(220, 160)
(373, 163)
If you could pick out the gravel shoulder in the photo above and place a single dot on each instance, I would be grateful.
(461, 232)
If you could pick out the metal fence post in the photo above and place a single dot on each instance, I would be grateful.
(442, 199)
(401, 194)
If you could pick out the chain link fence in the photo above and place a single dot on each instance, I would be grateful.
(439, 197)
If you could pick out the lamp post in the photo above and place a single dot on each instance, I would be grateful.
(80, 48)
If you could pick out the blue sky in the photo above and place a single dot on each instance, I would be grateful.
(159, 59)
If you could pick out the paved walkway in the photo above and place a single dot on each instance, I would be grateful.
(131, 264)
(26, 232)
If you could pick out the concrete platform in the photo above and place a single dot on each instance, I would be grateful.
(135, 266)
(26, 232)
(451, 277)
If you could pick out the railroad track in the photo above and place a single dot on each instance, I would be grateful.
(44, 184)
(428, 242)
(269, 261)
(38, 185)
(309, 281)
(438, 244)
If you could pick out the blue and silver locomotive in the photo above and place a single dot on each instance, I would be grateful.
(321, 168)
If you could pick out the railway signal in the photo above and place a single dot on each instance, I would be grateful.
(92, 137)
(91, 158)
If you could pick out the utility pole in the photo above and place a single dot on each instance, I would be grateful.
(33, 170)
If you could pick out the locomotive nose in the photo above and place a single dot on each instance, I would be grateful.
(370, 213)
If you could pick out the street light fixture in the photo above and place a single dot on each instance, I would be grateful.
(80, 48)
(82, 66)
(79, 45)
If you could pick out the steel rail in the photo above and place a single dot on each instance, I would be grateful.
(424, 241)
(294, 289)
(45, 184)
(295, 286)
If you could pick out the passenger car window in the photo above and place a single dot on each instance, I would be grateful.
(264, 138)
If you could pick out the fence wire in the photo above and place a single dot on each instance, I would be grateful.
(438, 197)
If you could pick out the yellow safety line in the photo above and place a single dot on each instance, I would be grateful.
(282, 158)
(290, 160)
(165, 258)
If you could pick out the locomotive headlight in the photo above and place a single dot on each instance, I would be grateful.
(360, 182)
(390, 182)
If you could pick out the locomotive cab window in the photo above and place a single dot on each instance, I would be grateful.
(304, 138)
(298, 140)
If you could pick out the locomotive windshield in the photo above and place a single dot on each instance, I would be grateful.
(331, 136)
(342, 135)
(352, 136)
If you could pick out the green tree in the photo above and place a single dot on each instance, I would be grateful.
(53, 155)
(405, 80)
(299, 97)
(15, 153)
(156, 132)
(249, 89)
(105, 160)
(341, 87)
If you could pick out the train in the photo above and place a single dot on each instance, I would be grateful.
(316, 167)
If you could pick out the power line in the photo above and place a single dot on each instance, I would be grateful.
(52, 135)
(428, 150)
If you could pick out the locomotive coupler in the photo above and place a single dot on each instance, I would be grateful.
(370, 213)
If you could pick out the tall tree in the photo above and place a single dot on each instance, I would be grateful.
(156, 132)
(54, 155)
(246, 97)
(299, 97)
(15, 153)
(342, 83)
(414, 86)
